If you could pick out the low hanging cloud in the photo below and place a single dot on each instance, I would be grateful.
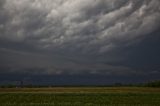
(68, 34)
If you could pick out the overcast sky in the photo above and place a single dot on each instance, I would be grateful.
(113, 38)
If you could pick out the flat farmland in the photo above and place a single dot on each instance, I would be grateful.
(80, 96)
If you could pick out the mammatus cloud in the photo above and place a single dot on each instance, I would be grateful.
(75, 30)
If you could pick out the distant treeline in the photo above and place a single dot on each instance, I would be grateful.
(153, 84)
(148, 84)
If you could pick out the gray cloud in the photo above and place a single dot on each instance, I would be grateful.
(74, 36)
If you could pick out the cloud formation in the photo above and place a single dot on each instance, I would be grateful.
(77, 36)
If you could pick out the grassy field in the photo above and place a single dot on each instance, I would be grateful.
(80, 96)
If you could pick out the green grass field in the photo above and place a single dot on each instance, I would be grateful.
(80, 96)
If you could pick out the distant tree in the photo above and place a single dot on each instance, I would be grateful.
(118, 84)
(21, 84)
(153, 84)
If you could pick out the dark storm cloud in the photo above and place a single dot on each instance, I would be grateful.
(74, 36)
